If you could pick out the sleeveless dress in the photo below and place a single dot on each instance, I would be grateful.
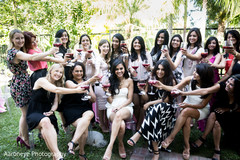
(196, 99)
(41, 101)
(178, 72)
(20, 86)
(158, 122)
(119, 99)
(73, 106)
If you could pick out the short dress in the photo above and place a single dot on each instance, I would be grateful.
(195, 100)
(158, 122)
(20, 85)
(41, 101)
(118, 100)
(73, 106)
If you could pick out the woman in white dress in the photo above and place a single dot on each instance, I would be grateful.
(196, 107)
(119, 106)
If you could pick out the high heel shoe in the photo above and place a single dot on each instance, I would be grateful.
(18, 140)
(71, 149)
(22, 142)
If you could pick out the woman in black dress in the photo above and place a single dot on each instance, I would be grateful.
(44, 101)
(77, 111)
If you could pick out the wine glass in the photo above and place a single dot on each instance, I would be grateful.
(204, 54)
(152, 80)
(57, 42)
(123, 43)
(142, 84)
(183, 46)
(80, 49)
(135, 66)
(145, 64)
(70, 55)
(164, 47)
(89, 49)
(227, 44)
(99, 75)
(85, 95)
(106, 84)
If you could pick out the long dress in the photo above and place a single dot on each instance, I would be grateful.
(73, 107)
(158, 122)
(41, 101)
(118, 99)
(20, 86)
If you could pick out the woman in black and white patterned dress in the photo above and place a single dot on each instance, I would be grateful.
(159, 119)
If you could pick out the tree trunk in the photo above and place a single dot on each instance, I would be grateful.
(14, 14)
(220, 31)
(185, 19)
(204, 19)
(170, 22)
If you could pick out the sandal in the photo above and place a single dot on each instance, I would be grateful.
(131, 142)
(186, 155)
(217, 152)
(194, 145)
(71, 149)
(83, 156)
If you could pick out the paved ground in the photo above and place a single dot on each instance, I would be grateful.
(143, 154)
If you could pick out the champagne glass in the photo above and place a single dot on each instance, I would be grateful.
(152, 80)
(135, 67)
(106, 84)
(57, 42)
(70, 55)
(204, 54)
(85, 95)
(99, 75)
(80, 49)
(123, 43)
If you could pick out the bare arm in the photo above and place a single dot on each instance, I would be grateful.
(45, 84)
(228, 74)
(202, 91)
(33, 57)
(193, 57)
(216, 63)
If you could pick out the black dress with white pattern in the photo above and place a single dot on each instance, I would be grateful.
(158, 122)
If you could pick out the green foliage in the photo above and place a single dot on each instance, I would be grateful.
(46, 17)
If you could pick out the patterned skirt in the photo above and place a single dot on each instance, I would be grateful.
(158, 123)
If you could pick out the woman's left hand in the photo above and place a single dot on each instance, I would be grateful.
(183, 105)
(115, 109)
(48, 113)
(221, 110)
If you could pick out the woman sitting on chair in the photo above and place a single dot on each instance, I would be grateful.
(119, 106)
(44, 101)
(77, 108)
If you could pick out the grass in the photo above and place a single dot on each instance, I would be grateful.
(9, 150)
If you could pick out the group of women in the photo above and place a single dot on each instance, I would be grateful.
(126, 84)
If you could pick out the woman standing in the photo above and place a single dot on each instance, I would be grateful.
(77, 111)
(159, 119)
(20, 86)
(175, 57)
(44, 101)
(87, 56)
(193, 51)
(119, 51)
(162, 38)
(138, 56)
(119, 106)
(196, 107)
(104, 58)
(39, 68)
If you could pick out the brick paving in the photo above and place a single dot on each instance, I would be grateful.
(143, 154)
